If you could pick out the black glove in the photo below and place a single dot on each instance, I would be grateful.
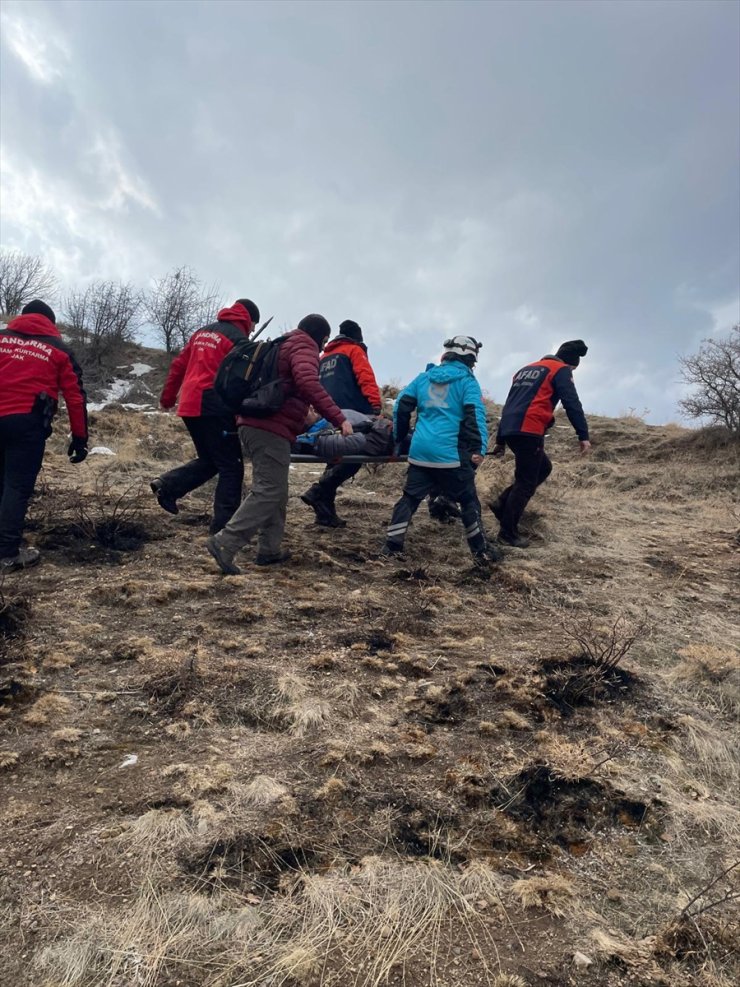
(77, 451)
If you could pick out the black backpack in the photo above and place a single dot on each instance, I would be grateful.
(247, 380)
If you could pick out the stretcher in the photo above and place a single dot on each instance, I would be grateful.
(301, 457)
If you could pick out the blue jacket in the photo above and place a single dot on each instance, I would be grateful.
(450, 420)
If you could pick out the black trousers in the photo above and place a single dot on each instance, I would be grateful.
(457, 483)
(334, 476)
(22, 441)
(532, 468)
(216, 453)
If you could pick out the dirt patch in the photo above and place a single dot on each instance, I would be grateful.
(567, 812)
(104, 542)
(14, 614)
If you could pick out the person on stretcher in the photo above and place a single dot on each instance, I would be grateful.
(372, 436)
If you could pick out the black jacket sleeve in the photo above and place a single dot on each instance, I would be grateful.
(469, 440)
(565, 391)
(405, 408)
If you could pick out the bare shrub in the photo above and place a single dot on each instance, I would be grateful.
(114, 512)
(714, 373)
(177, 304)
(605, 646)
(101, 320)
(23, 278)
(594, 673)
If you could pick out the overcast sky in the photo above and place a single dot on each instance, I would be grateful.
(523, 172)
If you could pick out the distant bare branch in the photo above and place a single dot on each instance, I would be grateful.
(23, 278)
(714, 373)
(102, 318)
(177, 305)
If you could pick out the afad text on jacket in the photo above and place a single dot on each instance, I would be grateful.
(535, 392)
(35, 361)
(451, 418)
(193, 371)
(346, 374)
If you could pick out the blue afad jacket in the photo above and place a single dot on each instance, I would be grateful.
(450, 421)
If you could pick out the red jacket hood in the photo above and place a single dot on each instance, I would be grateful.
(238, 316)
(34, 325)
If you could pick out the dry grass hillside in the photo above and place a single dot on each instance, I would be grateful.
(351, 772)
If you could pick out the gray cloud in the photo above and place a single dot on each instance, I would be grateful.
(522, 172)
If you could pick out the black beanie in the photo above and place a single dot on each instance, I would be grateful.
(572, 351)
(316, 327)
(254, 312)
(351, 330)
(37, 307)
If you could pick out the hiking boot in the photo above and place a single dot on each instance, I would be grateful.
(514, 539)
(331, 521)
(313, 496)
(25, 558)
(323, 508)
(277, 558)
(224, 559)
(391, 550)
(487, 557)
(443, 509)
(166, 501)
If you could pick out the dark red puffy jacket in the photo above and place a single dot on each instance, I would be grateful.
(35, 360)
(194, 370)
(298, 365)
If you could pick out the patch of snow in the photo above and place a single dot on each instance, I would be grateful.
(129, 761)
(139, 369)
(101, 451)
(131, 406)
(115, 391)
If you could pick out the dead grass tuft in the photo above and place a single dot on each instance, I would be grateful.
(261, 790)
(308, 716)
(67, 735)
(156, 832)
(331, 790)
(552, 892)
(51, 705)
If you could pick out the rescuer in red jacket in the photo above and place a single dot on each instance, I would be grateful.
(35, 365)
(346, 374)
(210, 423)
(266, 442)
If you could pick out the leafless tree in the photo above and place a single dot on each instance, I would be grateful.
(23, 278)
(101, 319)
(177, 305)
(714, 373)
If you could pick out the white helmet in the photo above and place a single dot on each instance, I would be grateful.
(463, 346)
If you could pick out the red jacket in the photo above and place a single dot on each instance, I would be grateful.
(298, 365)
(194, 370)
(346, 374)
(33, 361)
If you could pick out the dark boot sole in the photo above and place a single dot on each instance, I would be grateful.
(227, 568)
(272, 559)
